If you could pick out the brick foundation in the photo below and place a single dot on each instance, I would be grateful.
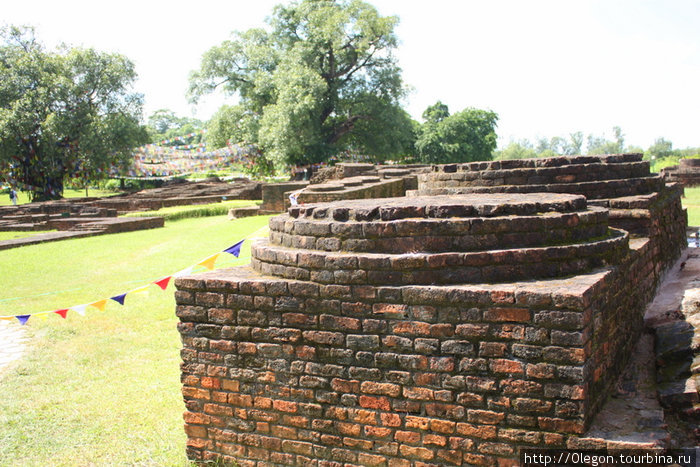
(306, 358)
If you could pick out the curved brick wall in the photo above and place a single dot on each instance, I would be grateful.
(439, 240)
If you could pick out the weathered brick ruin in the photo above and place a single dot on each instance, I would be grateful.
(451, 329)
(687, 172)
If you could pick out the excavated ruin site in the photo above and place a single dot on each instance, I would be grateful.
(493, 308)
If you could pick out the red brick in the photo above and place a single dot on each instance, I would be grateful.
(339, 323)
(215, 409)
(388, 389)
(305, 352)
(378, 403)
(442, 426)
(453, 457)
(518, 315)
(501, 296)
(560, 425)
(442, 363)
(419, 423)
(298, 421)
(486, 417)
(283, 432)
(297, 447)
(355, 443)
(285, 406)
(348, 429)
(377, 432)
(365, 417)
(345, 386)
(240, 400)
(371, 460)
(390, 310)
(410, 437)
(540, 370)
(196, 431)
(423, 394)
(504, 365)
(196, 418)
(435, 440)
(230, 385)
(416, 452)
(262, 403)
(218, 396)
(477, 431)
(412, 328)
(195, 393)
(390, 419)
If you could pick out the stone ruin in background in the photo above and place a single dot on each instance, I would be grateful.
(488, 311)
(687, 172)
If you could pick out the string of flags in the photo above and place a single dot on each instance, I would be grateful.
(100, 305)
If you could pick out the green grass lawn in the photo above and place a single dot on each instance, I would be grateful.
(196, 210)
(102, 389)
(21, 234)
(23, 198)
(691, 201)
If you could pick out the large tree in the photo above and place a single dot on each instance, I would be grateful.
(320, 79)
(469, 135)
(63, 113)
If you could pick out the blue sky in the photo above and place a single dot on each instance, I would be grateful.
(547, 67)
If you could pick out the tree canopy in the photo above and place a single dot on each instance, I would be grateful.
(321, 78)
(164, 124)
(63, 113)
(469, 135)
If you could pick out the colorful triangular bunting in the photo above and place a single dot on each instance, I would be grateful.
(80, 309)
(163, 283)
(235, 249)
(209, 262)
(119, 298)
(100, 304)
(23, 319)
(62, 313)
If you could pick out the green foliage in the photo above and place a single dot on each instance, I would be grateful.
(163, 124)
(516, 150)
(64, 113)
(320, 80)
(469, 135)
(599, 145)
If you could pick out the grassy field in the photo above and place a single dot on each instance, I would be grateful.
(196, 210)
(102, 389)
(23, 198)
(22, 234)
(691, 201)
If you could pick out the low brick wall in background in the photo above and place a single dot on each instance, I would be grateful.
(275, 195)
(349, 369)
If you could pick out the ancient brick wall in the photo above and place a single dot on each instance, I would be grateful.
(309, 358)
(640, 202)
(276, 195)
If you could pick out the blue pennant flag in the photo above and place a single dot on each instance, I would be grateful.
(235, 250)
(119, 298)
(23, 319)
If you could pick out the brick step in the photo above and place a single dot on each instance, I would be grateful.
(542, 162)
(591, 190)
(575, 173)
(441, 268)
(440, 235)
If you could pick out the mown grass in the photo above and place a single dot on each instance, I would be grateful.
(23, 198)
(102, 389)
(174, 213)
(691, 201)
(21, 234)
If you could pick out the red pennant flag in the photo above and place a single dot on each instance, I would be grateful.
(163, 283)
(62, 313)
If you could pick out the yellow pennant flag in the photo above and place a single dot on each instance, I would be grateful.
(141, 290)
(209, 262)
(100, 304)
(6, 318)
